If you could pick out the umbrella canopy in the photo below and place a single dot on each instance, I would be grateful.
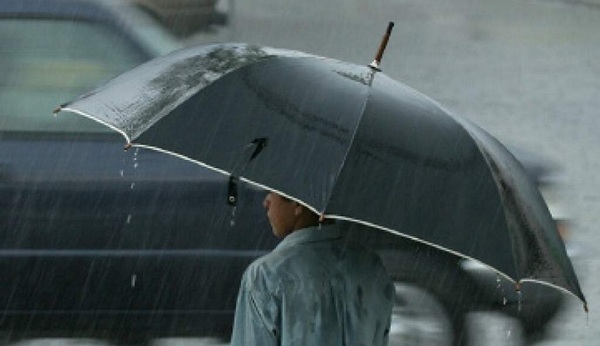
(346, 141)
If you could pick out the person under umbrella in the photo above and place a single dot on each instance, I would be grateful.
(315, 288)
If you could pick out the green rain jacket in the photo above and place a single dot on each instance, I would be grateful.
(315, 288)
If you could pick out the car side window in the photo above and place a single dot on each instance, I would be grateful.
(46, 62)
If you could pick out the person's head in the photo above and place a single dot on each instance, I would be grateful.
(286, 215)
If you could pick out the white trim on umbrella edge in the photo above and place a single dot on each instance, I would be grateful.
(76, 111)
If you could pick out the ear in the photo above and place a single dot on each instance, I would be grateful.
(298, 209)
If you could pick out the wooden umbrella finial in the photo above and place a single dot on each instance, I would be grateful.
(382, 46)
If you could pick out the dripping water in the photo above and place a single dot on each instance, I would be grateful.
(232, 218)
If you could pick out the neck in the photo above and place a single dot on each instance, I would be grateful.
(305, 220)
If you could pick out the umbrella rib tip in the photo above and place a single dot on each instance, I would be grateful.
(375, 66)
(59, 108)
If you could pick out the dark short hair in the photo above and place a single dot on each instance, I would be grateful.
(287, 199)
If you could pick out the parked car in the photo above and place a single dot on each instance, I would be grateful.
(185, 17)
(131, 245)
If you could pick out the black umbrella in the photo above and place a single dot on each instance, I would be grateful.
(347, 142)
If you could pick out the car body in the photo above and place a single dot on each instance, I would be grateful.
(100, 242)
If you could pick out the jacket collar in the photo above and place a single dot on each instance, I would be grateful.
(309, 235)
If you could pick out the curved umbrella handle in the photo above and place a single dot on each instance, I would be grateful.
(259, 144)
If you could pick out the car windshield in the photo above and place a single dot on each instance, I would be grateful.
(40, 70)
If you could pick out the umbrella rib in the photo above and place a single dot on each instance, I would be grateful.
(489, 162)
(343, 163)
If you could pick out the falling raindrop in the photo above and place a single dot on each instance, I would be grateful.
(587, 316)
(132, 185)
(520, 300)
(122, 173)
(128, 219)
(135, 165)
(133, 280)
(232, 220)
(501, 289)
